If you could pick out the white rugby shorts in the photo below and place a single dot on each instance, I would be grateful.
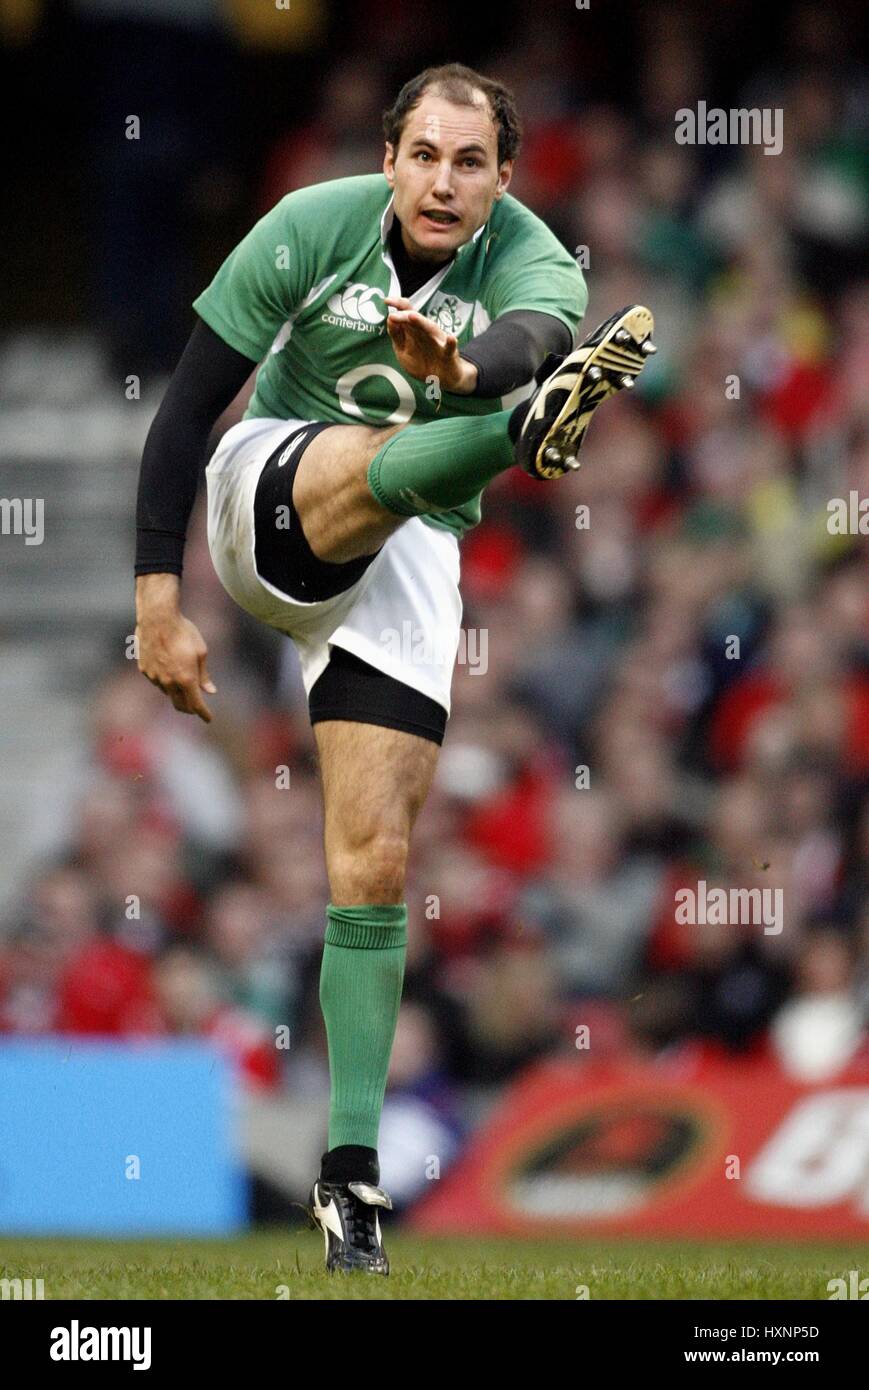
(402, 616)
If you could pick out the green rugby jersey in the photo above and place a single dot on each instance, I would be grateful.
(304, 290)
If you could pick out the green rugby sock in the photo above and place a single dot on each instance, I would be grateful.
(430, 468)
(360, 991)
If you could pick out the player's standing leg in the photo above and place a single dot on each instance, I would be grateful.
(375, 781)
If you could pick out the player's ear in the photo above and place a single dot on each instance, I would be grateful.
(389, 165)
(505, 174)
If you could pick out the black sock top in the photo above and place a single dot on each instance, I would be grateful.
(350, 1163)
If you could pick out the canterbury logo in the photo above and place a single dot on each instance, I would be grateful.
(359, 303)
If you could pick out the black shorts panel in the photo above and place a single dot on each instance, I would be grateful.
(351, 689)
(281, 551)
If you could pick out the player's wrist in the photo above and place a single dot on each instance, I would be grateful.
(466, 380)
(157, 595)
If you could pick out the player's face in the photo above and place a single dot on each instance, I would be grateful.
(445, 175)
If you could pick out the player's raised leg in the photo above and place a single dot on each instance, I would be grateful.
(355, 485)
(375, 781)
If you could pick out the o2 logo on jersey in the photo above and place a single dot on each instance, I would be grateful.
(401, 411)
(356, 307)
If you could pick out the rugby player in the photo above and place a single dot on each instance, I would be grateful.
(394, 317)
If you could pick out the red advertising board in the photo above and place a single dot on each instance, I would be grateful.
(712, 1149)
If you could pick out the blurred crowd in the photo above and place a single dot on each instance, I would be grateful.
(676, 686)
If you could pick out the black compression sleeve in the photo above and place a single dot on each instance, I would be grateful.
(208, 377)
(510, 351)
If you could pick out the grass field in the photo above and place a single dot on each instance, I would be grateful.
(254, 1266)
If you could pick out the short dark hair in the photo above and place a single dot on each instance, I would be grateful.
(456, 83)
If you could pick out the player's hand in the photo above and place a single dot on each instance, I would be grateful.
(172, 650)
(424, 350)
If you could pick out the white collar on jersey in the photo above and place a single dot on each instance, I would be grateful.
(388, 218)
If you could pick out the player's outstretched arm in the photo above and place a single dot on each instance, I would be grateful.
(424, 350)
(504, 356)
(172, 651)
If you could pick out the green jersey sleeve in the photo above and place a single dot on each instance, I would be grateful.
(530, 269)
(263, 280)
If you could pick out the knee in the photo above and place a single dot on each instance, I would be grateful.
(369, 868)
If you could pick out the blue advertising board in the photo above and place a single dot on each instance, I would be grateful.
(105, 1138)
